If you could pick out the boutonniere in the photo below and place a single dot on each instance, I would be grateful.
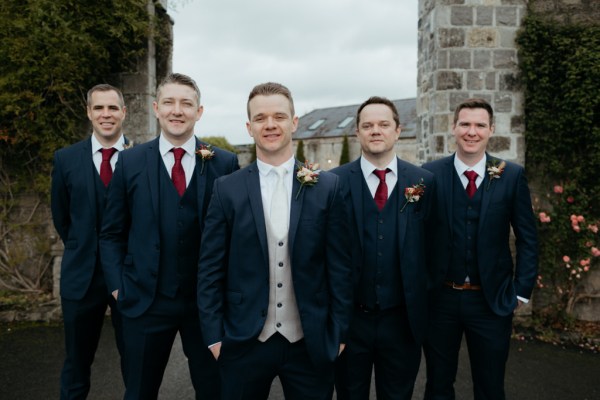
(307, 175)
(413, 193)
(494, 171)
(128, 145)
(206, 153)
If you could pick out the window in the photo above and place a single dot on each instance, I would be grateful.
(316, 125)
(345, 122)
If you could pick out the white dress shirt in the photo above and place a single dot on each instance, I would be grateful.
(188, 162)
(97, 155)
(373, 181)
(268, 180)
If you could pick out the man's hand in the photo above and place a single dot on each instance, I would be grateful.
(115, 294)
(215, 349)
(342, 347)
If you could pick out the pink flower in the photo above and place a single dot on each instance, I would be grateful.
(544, 218)
(573, 218)
(584, 262)
(570, 200)
(589, 244)
(586, 268)
(593, 228)
(580, 218)
(566, 259)
(595, 252)
(558, 189)
(576, 228)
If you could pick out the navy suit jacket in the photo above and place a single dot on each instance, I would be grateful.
(506, 203)
(410, 229)
(75, 215)
(233, 273)
(130, 237)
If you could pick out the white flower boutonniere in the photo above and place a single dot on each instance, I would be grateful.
(128, 145)
(206, 153)
(494, 171)
(307, 175)
(413, 193)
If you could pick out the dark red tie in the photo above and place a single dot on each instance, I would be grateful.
(177, 173)
(381, 194)
(471, 187)
(105, 167)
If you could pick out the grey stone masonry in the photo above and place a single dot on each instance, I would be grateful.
(467, 49)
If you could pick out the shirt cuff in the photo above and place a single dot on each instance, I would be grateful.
(523, 299)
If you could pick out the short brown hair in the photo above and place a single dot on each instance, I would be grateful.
(475, 103)
(379, 100)
(269, 89)
(179, 79)
(104, 87)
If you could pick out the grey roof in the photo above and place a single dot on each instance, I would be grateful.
(333, 117)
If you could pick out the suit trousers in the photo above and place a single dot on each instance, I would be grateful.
(83, 320)
(452, 313)
(380, 340)
(148, 342)
(248, 370)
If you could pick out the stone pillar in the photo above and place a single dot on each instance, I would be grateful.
(467, 49)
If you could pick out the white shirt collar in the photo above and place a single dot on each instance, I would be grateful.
(264, 169)
(461, 167)
(164, 146)
(367, 168)
(96, 146)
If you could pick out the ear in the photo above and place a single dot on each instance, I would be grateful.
(155, 108)
(89, 113)
(200, 112)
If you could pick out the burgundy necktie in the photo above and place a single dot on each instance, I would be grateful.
(471, 187)
(105, 167)
(381, 194)
(177, 173)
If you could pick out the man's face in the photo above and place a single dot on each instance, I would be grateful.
(177, 110)
(272, 125)
(472, 132)
(106, 114)
(377, 131)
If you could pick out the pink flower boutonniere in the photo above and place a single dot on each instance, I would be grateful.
(128, 145)
(206, 153)
(494, 171)
(413, 193)
(307, 175)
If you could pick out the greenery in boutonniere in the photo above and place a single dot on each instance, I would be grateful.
(494, 170)
(307, 174)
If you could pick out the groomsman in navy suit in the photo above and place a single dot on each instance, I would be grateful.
(389, 201)
(150, 241)
(274, 278)
(476, 284)
(80, 177)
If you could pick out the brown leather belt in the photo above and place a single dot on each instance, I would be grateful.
(465, 286)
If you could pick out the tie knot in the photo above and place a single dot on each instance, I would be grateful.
(178, 152)
(280, 171)
(471, 175)
(380, 173)
(107, 153)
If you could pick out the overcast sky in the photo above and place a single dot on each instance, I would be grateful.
(327, 52)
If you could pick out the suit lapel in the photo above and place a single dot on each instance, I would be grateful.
(402, 183)
(295, 208)
(201, 177)
(356, 192)
(486, 194)
(153, 164)
(89, 171)
(253, 187)
(447, 188)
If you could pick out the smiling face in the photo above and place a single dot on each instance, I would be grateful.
(271, 126)
(106, 112)
(177, 110)
(472, 131)
(377, 133)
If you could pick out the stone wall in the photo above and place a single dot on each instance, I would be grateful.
(467, 49)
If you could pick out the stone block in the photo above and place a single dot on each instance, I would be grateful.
(461, 16)
(476, 80)
(490, 81)
(451, 37)
(440, 100)
(503, 102)
(482, 37)
(452, 2)
(498, 144)
(441, 123)
(448, 80)
(507, 37)
(484, 16)
(506, 16)
(456, 98)
(442, 59)
(440, 144)
(505, 59)
(459, 59)
(482, 59)
(517, 124)
(508, 81)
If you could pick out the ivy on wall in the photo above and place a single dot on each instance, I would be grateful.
(560, 69)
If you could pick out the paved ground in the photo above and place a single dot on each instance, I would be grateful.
(31, 358)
